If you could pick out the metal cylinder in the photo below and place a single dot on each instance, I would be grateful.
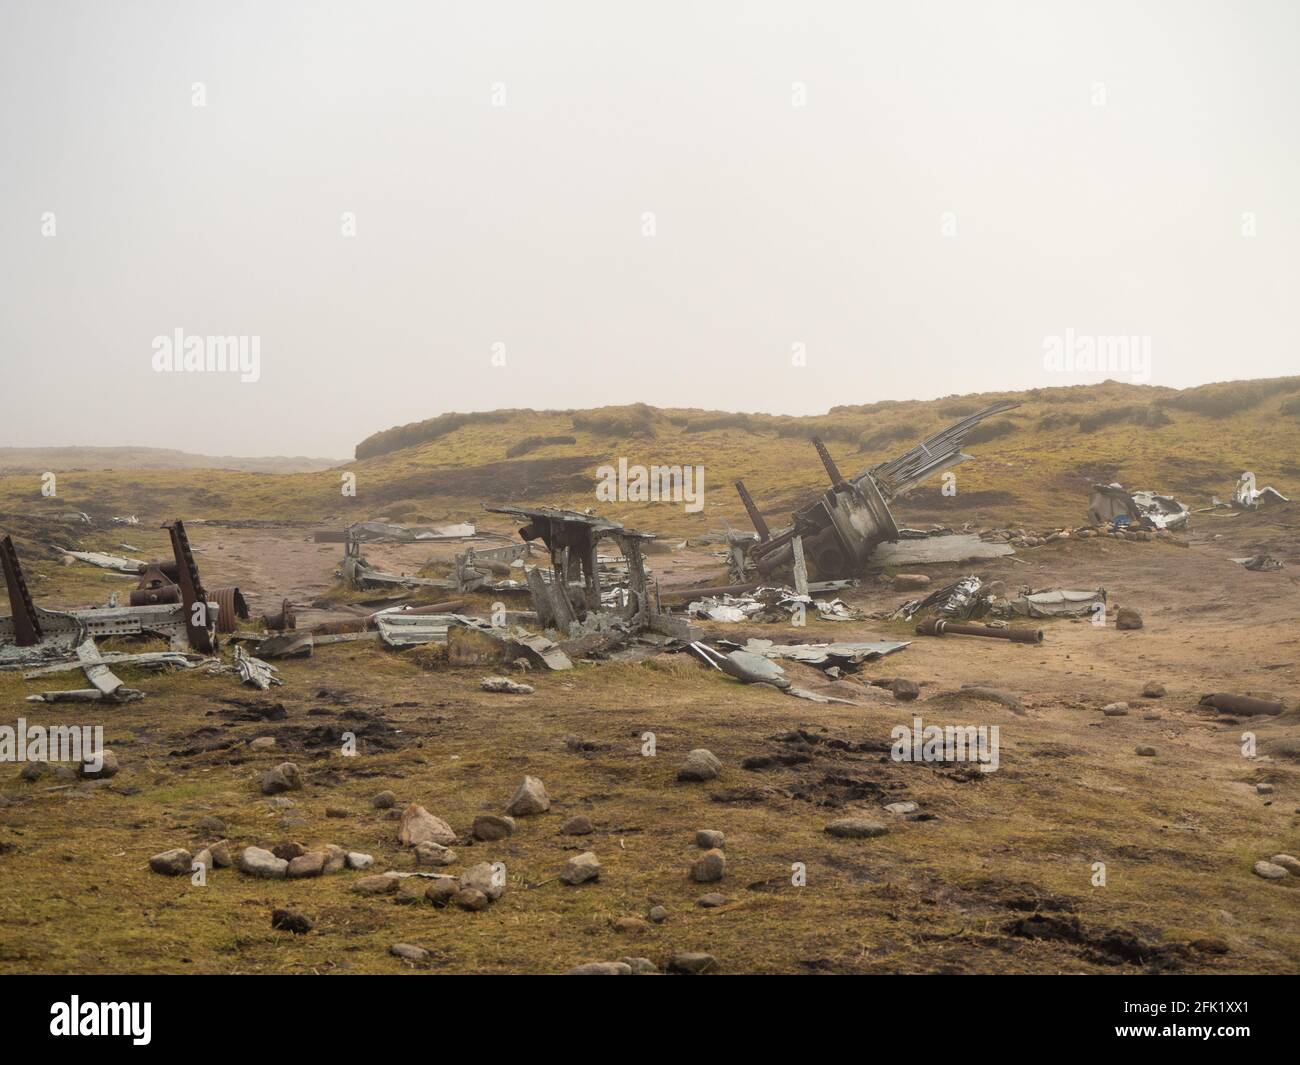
(939, 627)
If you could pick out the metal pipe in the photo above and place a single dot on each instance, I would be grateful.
(939, 627)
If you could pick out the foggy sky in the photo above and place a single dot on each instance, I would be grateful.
(1099, 162)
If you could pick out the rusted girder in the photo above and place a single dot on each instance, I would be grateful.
(760, 526)
(832, 471)
(198, 625)
(939, 627)
(27, 625)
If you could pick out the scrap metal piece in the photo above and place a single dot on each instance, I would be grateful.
(199, 625)
(26, 622)
(105, 561)
(1111, 504)
(254, 671)
(760, 526)
(825, 655)
(231, 607)
(940, 627)
(1243, 705)
(284, 619)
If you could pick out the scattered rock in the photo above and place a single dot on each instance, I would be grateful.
(709, 867)
(1153, 690)
(712, 900)
(855, 828)
(383, 884)
(710, 839)
(657, 914)
(1288, 862)
(1270, 870)
(505, 684)
(385, 800)
(485, 877)
(640, 966)
(420, 826)
(442, 890)
(211, 826)
(357, 860)
(33, 771)
(632, 925)
(700, 765)
(284, 777)
(433, 854)
(1128, 618)
(910, 582)
(492, 827)
(601, 968)
(262, 743)
(580, 825)
(471, 899)
(580, 869)
(410, 889)
(258, 862)
(221, 855)
(336, 858)
(337, 811)
(171, 863)
(109, 767)
(529, 798)
(693, 964)
(307, 865)
(409, 952)
(1264, 789)
(1145, 750)
(291, 921)
(288, 851)
(1115, 709)
(901, 808)
(905, 691)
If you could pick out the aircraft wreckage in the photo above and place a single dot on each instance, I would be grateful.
(835, 536)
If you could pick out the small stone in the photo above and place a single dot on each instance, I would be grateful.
(357, 860)
(1288, 862)
(601, 968)
(409, 952)
(1270, 870)
(262, 743)
(710, 839)
(1128, 618)
(579, 825)
(471, 899)
(712, 900)
(280, 802)
(203, 858)
(910, 582)
(258, 862)
(855, 828)
(506, 685)
(337, 811)
(442, 890)
(700, 765)
(1153, 689)
(580, 869)
(901, 808)
(492, 827)
(709, 867)
(692, 964)
(383, 884)
(657, 914)
(640, 966)
(1264, 789)
(1145, 751)
(284, 777)
(221, 855)
(306, 865)
(211, 826)
(1115, 709)
(905, 691)
(529, 798)
(434, 854)
(632, 925)
(108, 767)
(410, 889)
(485, 877)
(171, 863)
(1210, 945)
(420, 826)
(33, 771)
(291, 921)
(289, 851)
(385, 800)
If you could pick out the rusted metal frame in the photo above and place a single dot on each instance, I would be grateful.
(760, 526)
(26, 622)
(201, 636)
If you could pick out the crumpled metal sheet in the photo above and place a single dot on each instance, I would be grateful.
(1054, 603)
(817, 654)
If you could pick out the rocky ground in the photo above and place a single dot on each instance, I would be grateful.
(575, 842)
